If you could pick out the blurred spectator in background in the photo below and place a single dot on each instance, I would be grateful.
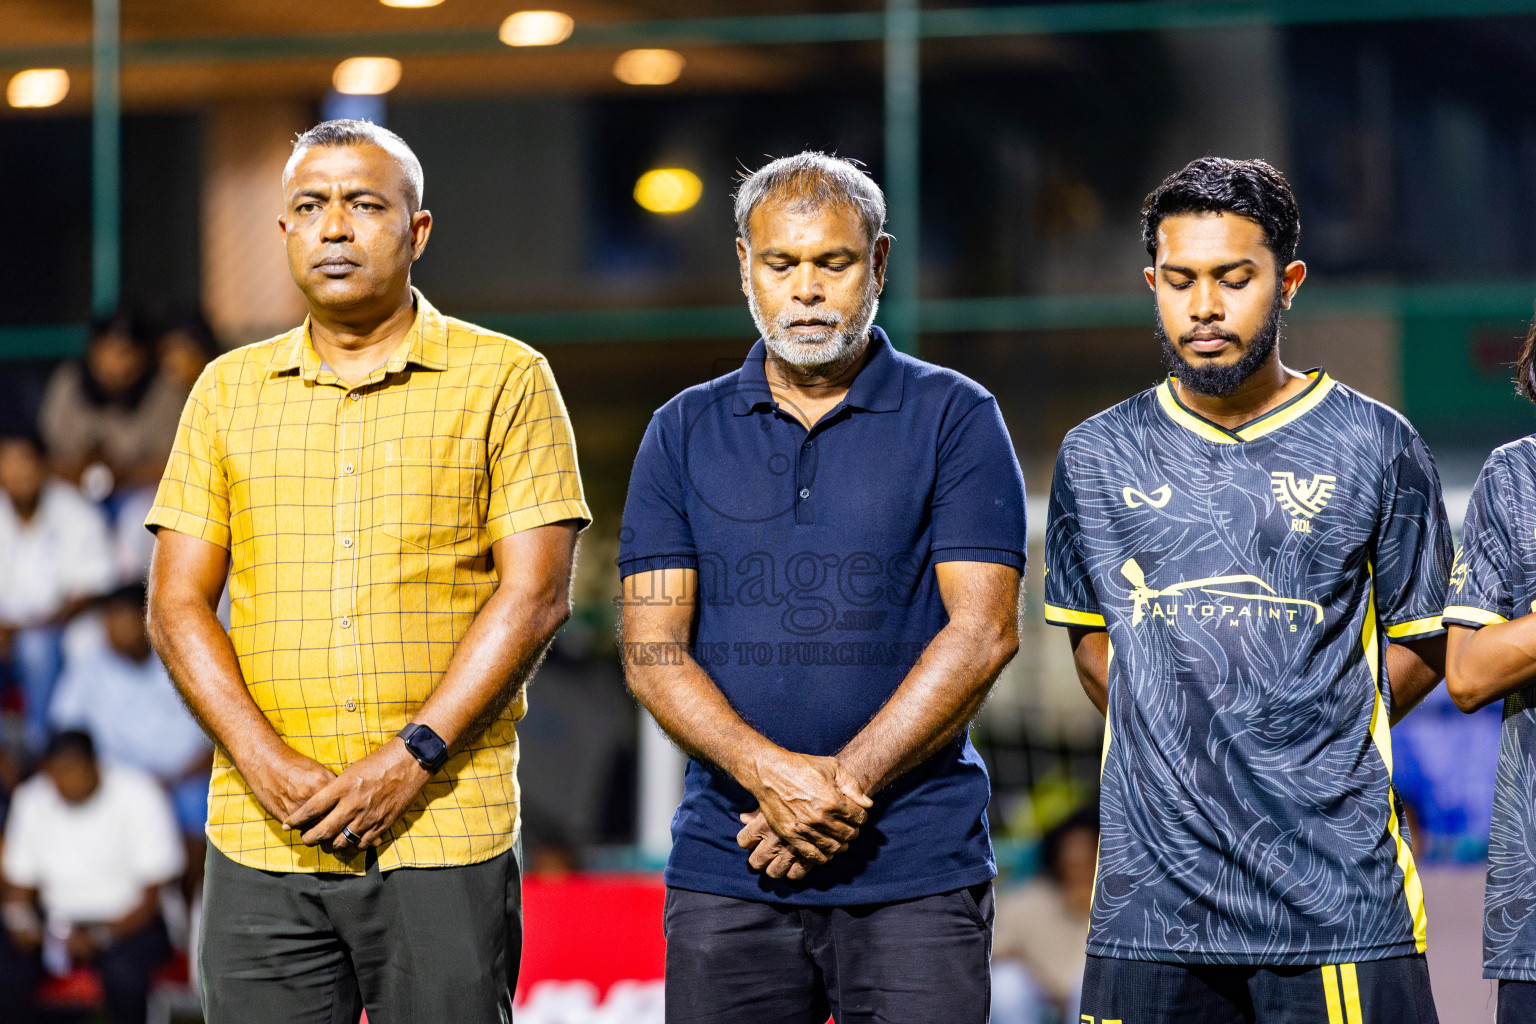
(550, 857)
(87, 848)
(54, 557)
(115, 408)
(183, 348)
(115, 688)
(1040, 943)
(1444, 767)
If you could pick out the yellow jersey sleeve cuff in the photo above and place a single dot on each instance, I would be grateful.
(1465, 613)
(1417, 627)
(1058, 616)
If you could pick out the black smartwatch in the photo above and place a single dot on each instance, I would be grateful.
(425, 745)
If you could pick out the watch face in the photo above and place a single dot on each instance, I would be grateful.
(427, 745)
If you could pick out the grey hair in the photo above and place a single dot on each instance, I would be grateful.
(347, 132)
(808, 181)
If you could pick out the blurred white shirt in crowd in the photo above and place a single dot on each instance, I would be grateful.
(93, 860)
(130, 708)
(63, 553)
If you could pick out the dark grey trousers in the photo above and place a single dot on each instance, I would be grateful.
(921, 961)
(412, 945)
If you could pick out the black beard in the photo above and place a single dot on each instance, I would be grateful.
(1219, 381)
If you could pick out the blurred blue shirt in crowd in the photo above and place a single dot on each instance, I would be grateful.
(1444, 771)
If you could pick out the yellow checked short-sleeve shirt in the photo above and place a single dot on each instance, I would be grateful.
(359, 523)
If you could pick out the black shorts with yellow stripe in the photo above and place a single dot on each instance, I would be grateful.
(1391, 991)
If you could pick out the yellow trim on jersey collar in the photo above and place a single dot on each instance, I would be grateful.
(1471, 614)
(1268, 423)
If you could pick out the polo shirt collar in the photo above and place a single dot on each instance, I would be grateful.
(425, 345)
(877, 388)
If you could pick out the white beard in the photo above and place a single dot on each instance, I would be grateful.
(826, 351)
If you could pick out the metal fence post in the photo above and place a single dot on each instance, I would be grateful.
(106, 163)
(902, 126)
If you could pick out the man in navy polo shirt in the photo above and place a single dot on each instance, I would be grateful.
(821, 555)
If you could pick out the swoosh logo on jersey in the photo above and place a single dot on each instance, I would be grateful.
(1302, 500)
(1142, 595)
(1157, 499)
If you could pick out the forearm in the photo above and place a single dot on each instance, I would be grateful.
(18, 907)
(691, 710)
(1090, 656)
(497, 656)
(1414, 669)
(190, 639)
(937, 699)
(1484, 665)
(140, 917)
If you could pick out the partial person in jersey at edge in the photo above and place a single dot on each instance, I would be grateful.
(1251, 562)
(392, 496)
(821, 555)
(1491, 655)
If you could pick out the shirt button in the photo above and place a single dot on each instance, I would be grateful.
(805, 492)
(807, 444)
(346, 542)
(354, 396)
(347, 469)
(350, 705)
(346, 623)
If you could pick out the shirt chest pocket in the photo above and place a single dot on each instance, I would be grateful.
(433, 490)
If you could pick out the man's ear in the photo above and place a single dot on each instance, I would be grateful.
(743, 254)
(1291, 277)
(1150, 273)
(421, 230)
(881, 257)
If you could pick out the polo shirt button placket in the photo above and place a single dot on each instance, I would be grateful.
(805, 512)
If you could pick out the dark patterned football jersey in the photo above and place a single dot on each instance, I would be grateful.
(1494, 580)
(1249, 581)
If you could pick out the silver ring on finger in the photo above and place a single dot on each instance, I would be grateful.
(350, 836)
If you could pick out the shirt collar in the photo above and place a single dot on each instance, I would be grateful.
(425, 345)
(877, 388)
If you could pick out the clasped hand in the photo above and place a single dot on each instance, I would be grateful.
(366, 798)
(808, 810)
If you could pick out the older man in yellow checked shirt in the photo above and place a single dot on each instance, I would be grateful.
(393, 499)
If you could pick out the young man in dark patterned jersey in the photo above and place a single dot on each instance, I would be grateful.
(1252, 563)
(1492, 654)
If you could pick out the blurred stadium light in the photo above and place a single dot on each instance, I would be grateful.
(37, 87)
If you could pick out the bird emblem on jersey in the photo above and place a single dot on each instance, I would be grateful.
(1302, 500)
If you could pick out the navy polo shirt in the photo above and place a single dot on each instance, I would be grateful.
(815, 552)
